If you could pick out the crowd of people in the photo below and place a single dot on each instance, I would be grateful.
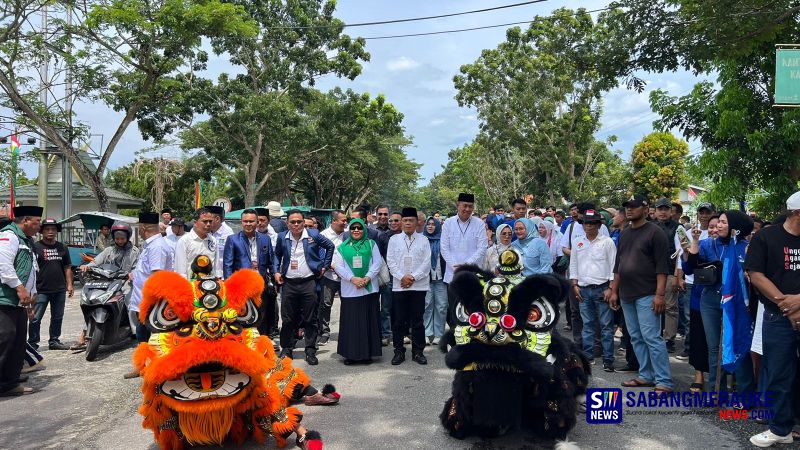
(644, 272)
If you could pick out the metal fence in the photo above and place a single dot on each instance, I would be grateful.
(77, 236)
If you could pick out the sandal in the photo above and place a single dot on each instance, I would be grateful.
(310, 440)
(78, 346)
(696, 387)
(635, 382)
(662, 390)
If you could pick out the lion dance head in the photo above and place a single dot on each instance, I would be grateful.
(208, 375)
(513, 369)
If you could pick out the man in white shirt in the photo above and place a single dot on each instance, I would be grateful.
(409, 261)
(463, 241)
(156, 255)
(195, 243)
(331, 284)
(166, 218)
(220, 231)
(571, 234)
(177, 228)
(591, 270)
(264, 227)
(17, 294)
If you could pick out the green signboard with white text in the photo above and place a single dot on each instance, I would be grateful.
(787, 77)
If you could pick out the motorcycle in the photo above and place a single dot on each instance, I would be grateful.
(104, 308)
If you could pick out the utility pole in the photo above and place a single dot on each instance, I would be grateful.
(42, 191)
(66, 174)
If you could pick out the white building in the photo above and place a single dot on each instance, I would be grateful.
(83, 198)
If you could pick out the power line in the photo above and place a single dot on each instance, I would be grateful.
(460, 30)
(411, 19)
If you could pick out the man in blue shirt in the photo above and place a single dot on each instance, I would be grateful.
(573, 216)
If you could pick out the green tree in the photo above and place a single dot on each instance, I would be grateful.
(255, 122)
(750, 147)
(658, 165)
(538, 98)
(609, 182)
(134, 56)
(140, 177)
(360, 151)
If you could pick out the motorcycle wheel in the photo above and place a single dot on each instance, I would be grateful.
(95, 337)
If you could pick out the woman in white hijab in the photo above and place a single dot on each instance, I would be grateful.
(504, 235)
(552, 237)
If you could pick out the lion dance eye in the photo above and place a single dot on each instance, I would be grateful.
(508, 322)
(169, 313)
(534, 315)
(542, 315)
(477, 320)
(162, 318)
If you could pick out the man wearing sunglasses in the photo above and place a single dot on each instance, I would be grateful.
(303, 256)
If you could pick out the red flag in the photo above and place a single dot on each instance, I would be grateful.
(692, 194)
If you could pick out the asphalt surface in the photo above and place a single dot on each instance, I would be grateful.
(88, 405)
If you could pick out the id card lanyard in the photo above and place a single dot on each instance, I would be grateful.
(294, 263)
(408, 260)
(358, 260)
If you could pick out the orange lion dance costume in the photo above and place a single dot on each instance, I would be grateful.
(209, 377)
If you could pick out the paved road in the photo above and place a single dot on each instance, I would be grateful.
(87, 405)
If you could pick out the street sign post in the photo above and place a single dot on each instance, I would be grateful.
(224, 203)
(787, 76)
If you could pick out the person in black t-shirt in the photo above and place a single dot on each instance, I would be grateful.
(640, 279)
(53, 284)
(773, 263)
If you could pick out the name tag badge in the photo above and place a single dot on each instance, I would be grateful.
(358, 262)
(407, 260)
(462, 245)
(293, 264)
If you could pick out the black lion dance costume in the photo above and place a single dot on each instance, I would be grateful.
(513, 370)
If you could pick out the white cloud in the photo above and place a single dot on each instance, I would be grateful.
(401, 63)
(436, 122)
(468, 117)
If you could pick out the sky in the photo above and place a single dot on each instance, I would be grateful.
(416, 75)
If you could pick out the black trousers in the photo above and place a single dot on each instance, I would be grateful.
(299, 306)
(408, 308)
(13, 331)
(268, 312)
(329, 290)
(575, 319)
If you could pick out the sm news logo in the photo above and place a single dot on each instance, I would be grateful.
(604, 405)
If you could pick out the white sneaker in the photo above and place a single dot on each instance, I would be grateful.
(768, 439)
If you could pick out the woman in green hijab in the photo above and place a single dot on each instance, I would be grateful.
(357, 261)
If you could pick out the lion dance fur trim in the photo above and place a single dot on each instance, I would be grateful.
(208, 376)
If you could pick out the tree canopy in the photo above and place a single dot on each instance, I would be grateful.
(133, 56)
